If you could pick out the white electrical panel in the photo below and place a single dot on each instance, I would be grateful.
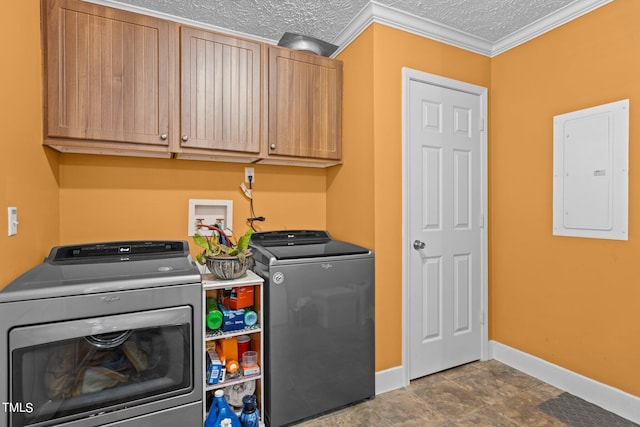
(590, 172)
(212, 212)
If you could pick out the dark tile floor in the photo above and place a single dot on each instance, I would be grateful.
(478, 394)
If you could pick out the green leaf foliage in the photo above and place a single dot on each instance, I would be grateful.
(201, 241)
(243, 241)
(213, 247)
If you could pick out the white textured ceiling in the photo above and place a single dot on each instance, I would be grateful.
(488, 21)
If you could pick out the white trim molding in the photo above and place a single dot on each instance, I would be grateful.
(169, 17)
(390, 379)
(612, 399)
(395, 18)
(389, 16)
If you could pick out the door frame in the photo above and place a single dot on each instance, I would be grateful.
(408, 75)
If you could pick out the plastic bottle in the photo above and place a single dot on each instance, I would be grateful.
(226, 417)
(214, 315)
(212, 415)
(250, 416)
(250, 317)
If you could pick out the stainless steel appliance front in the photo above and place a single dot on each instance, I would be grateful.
(117, 353)
(319, 318)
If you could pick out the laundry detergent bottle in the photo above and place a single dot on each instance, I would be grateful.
(212, 415)
(225, 415)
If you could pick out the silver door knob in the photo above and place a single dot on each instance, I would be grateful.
(164, 136)
(417, 245)
(185, 138)
(273, 146)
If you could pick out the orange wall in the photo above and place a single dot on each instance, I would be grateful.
(376, 60)
(571, 301)
(28, 172)
(350, 185)
(111, 198)
(64, 199)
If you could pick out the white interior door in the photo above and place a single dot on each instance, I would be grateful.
(444, 199)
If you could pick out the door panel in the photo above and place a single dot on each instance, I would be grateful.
(432, 299)
(431, 159)
(444, 210)
(221, 92)
(462, 189)
(305, 104)
(462, 293)
(108, 74)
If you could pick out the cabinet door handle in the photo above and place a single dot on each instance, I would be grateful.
(273, 146)
(185, 138)
(164, 136)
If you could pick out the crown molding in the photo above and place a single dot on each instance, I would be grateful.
(379, 13)
(395, 18)
(198, 24)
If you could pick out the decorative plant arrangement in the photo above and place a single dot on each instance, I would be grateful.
(223, 258)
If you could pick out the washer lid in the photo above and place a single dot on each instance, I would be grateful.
(294, 244)
(105, 267)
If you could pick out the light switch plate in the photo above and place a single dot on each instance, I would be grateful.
(12, 215)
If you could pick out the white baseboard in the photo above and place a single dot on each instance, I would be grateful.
(612, 399)
(390, 379)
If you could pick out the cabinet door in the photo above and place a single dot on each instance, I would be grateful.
(305, 105)
(107, 74)
(221, 92)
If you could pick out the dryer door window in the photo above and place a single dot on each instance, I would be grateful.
(68, 370)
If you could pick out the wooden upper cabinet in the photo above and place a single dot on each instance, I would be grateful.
(108, 75)
(118, 82)
(221, 92)
(305, 105)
